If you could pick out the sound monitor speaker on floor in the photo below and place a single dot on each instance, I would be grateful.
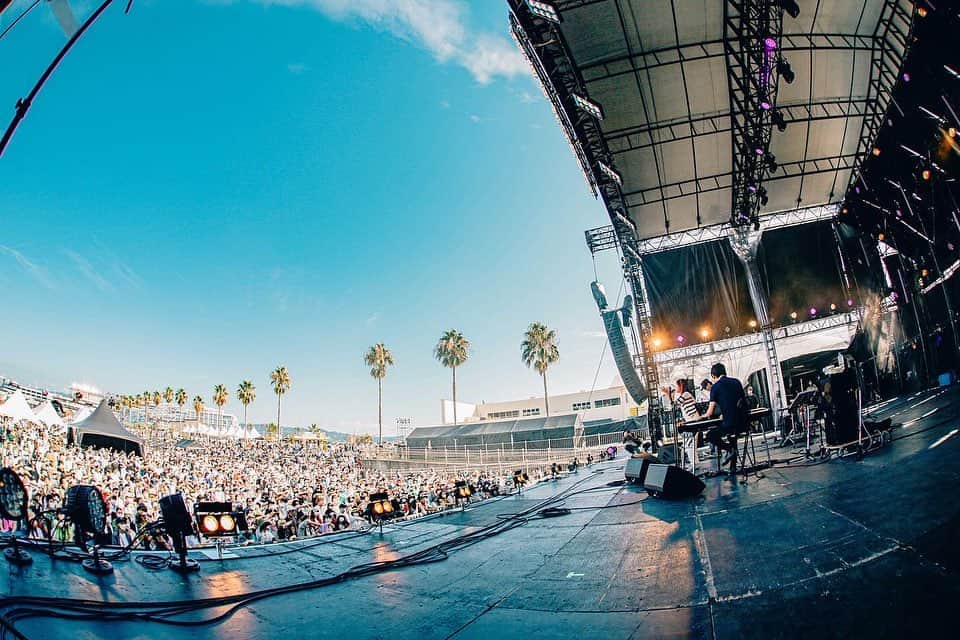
(672, 483)
(636, 469)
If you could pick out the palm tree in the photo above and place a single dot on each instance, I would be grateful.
(273, 431)
(220, 395)
(168, 395)
(181, 397)
(378, 358)
(198, 408)
(280, 380)
(539, 348)
(451, 351)
(246, 393)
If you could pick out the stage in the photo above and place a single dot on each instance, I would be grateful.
(844, 548)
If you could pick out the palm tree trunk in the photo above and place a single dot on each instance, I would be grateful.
(546, 402)
(278, 416)
(244, 415)
(454, 396)
(380, 407)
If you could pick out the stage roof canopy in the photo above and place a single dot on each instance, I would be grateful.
(660, 72)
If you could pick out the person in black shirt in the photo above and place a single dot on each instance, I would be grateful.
(726, 395)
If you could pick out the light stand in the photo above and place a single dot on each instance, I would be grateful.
(16, 555)
(96, 564)
(184, 565)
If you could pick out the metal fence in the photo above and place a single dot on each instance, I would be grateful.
(498, 457)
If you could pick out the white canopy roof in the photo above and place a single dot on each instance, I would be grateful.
(660, 72)
(48, 415)
(81, 414)
(251, 433)
(16, 408)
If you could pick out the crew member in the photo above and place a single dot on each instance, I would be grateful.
(727, 397)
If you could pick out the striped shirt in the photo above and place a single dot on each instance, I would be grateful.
(688, 407)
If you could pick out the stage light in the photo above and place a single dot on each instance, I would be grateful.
(880, 237)
(727, 330)
(833, 307)
(177, 523)
(844, 211)
(543, 10)
(657, 343)
(790, 7)
(793, 315)
(776, 118)
(765, 105)
(770, 44)
(381, 507)
(876, 151)
(813, 311)
(704, 333)
(13, 503)
(922, 11)
(611, 173)
(13, 495)
(680, 339)
(219, 520)
(785, 70)
(849, 303)
(752, 324)
(589, 106)
(906, 77)
(86, 509)
(759, 151)
(925, 174)
(952, 132)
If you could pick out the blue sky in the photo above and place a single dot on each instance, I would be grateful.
(205, 190)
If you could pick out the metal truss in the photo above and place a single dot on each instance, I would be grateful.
(664, 132)
(648, 60)
(724, 180)
(753, 78)
(603, 238)
(549, 55)
(756, 339)
(891, 42)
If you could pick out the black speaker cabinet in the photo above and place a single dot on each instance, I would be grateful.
(636, 468)
(671, 483)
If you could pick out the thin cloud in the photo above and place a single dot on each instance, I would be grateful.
(474, 117)
(89, 271)
(34, 270)
(298, 68)
(439, 26)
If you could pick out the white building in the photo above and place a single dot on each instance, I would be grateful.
(171, 412)
(611, 403)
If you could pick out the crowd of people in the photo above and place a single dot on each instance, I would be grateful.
(286, 490)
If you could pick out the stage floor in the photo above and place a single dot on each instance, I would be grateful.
(841, 549)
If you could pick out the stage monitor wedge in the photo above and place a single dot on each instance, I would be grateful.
(671, 483)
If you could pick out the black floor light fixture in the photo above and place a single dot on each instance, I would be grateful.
(178, 525)
(13, 506)
(86, 509)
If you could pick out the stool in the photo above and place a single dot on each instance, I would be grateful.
(744, 457)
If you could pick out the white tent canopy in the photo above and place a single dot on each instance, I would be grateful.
(48, 415)
(16, 408)
(251, 433)
(81, 414)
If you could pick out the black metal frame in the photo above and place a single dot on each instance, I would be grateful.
(891, 41)
(753, 78)
(546, 50)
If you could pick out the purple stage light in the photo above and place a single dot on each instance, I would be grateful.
(759, 151)
(753, 188)
(906, 77)
(765, 105)
(770, 44)
(680, 339)
(849, 303)
(813, 311)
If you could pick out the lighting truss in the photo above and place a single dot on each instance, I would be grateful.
(544, 10)
(718, 347)
(890, 43)
(753, 31)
